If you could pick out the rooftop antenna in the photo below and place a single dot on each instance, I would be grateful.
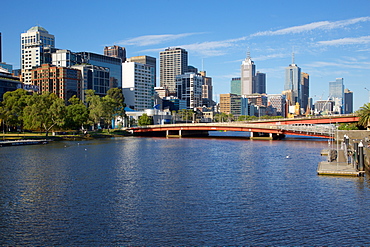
(293, 55)
(202, 64)
(248, 53)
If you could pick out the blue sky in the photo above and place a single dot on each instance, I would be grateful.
(330, 39)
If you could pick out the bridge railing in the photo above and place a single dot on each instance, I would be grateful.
(328, 130)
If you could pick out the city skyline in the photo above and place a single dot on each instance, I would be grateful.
(329, 39)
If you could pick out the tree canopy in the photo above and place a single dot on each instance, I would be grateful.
(46, 111)
(364, 115)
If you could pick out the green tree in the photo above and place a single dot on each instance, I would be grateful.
(14, 103)
(221, 117)
(77, 114)
(364, 115)
(145, 120)
(44, 111)
(118, 102)
(95, 107)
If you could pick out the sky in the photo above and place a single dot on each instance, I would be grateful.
(329, 39)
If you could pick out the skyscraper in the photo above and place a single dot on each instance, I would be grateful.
(189, 88)
(348, 101)
(248, 72)
(235, 86)
(115, 51)
(305, 90)
(259, 83)
(138, 85)
(293, 82)
(172, 62)
(33, 43)
(149, 61)
(336, 93)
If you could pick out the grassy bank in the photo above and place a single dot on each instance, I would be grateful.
(63, 135)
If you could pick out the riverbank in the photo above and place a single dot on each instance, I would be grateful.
(63, 136)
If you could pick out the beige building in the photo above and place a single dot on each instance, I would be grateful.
(172, 62)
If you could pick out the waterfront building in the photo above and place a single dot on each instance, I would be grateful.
(33, 43)
(93, 77)
(248, 72)
(336, 93)
(235, 86)
(189, 88)
(115, 51)
(348, 101)
(138, 85)
(172, 62)
(259, 83)
(278, 101)
(64, 82)
(305, 92)
(8, 82)
(293, 82)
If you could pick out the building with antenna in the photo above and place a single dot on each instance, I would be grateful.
(248, 72)
(293, 82)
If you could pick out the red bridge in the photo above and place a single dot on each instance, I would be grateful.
(323, 127)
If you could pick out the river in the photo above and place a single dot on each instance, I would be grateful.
(179, 191)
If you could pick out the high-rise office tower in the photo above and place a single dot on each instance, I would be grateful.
(305, 88)
(189, 88)
(248, 72)
(33, 44)
(149, 61)
(207, 89)
(138, 85)
(235, 86)
(115, 51)
(336, 93)
(259, 83)
(293, 82)
(172, 62)
(348, 101)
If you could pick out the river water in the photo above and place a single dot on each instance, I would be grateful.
(188, 191)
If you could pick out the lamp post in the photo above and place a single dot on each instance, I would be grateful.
(368, 91)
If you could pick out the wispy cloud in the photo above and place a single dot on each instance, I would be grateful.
(212, 48)
(323, 25)
(346, 41)
(342, 64)
(154, 39)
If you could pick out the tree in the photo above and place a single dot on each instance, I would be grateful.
(77, 114)
(118, 102)
(44, 111)
(14, 103)
(145, 120)
(95, 106)
(364, 115)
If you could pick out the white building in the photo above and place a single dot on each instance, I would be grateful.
(138, 86)
(189, 88)
(248, 72)
(33, 43)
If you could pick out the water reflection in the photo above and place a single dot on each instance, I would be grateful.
(158, 191)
